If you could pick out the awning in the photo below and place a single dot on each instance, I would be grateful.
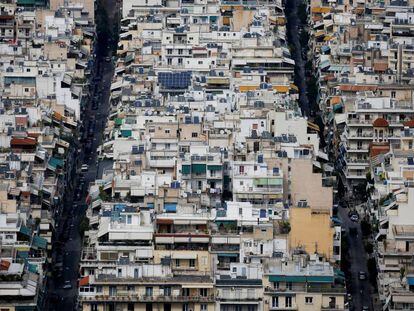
(126, 133)
(320, 279)
(23, 254)
(84, 281)
(170, 207)
(25, 230)
(54, 162)
(164, 221)
(39, 242)
(214, 167)
(32, 268)
(184, 255)
(228, 255)
(410, 280)
(287, 278)
(186, 169)
(118, 121)
(198, 168)
(197, 285)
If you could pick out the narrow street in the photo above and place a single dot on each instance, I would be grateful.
(61, 290)
(360, 290)
(293, 28)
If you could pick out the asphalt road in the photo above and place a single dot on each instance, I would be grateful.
(293, 28)
(67, 242)
(360, 290)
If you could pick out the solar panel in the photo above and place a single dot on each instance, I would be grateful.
(175, 80)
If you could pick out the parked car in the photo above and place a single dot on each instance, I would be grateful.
(362, 275)
(67, 285)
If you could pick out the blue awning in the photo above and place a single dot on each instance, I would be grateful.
(150, 205)
(287, 278)
(25, 230)
(39, 242)
(228, 255)
(170, 207)
(410, 280)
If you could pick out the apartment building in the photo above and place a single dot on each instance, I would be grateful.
(203, 139)
(42, 92)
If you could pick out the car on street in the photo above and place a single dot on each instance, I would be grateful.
(353, 216)
(67, 285)
(84, 168)
(365, 308)
(362, 275)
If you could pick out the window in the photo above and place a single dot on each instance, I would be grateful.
(200, 62)
(203, 292)
(148, 307)
(148, 291)
(167, 131)
(167, 291)
(289, 285)
(275, 302)
(94, 307)
(26, 89)
(131, 306)
(185, 307)
(393, 94)
(129, 219)
(194, 134)
(169, 51)
(186, 292)
(192, 263)
(177, 262)
(241, 169)
(288, 302)
(203, 307)
(309, 300)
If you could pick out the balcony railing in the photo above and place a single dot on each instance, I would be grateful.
(147, 298)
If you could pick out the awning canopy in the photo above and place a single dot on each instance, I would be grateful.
(184, 255)
(39, 242)
(186, 169)
(25, 231)
(170, 207)
(214, 167)
(198, 168)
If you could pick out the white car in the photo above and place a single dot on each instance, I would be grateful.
(84, 168)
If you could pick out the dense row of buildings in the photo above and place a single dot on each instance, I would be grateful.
(217, 196)
(213, 192)
(364, 59)
(45, 56)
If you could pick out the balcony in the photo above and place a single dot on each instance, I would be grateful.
(333, 307)
(131, 297)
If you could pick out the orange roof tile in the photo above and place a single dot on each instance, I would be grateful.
(357, 88)
(84, 281)
(382, 67)
(409, 123)
(378, 148)
(380, 122)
